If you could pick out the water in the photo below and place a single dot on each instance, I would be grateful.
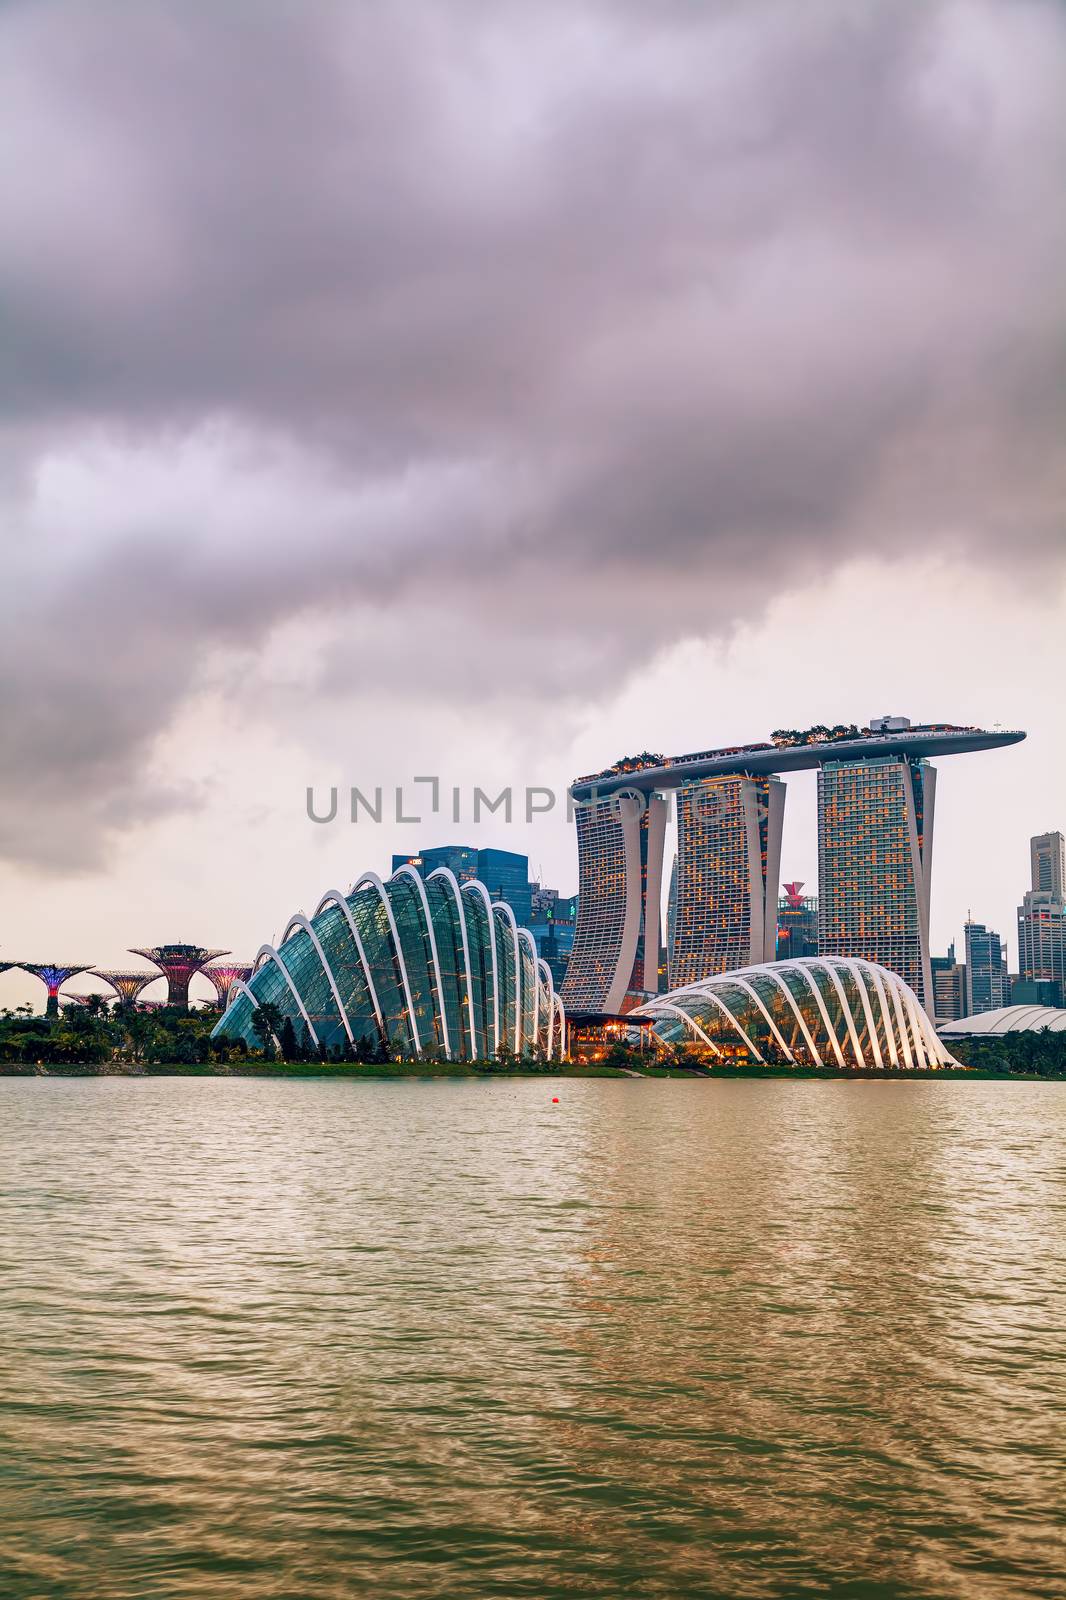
(413, 1339)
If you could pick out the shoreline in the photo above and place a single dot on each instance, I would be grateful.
(297, 1070)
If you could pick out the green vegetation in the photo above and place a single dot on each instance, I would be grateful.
(1037, 1053)
(818, 734)
(94, 1035)
(138, 1039)
(95, 1039)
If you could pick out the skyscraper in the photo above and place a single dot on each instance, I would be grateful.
(552, 925)
(616, 944)
(949, 987)
(728, 862)
(1042, 920)
(875, 838)
(504, 873)
(671, 918)
(1047, 852)
(876, 793)
(797, 923)
(986, 970)
(458, 858)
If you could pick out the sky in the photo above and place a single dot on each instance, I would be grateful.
(485, 390)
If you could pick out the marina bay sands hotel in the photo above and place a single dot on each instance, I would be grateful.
(876, 793)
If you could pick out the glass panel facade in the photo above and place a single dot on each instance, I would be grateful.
(854, 1009)
(301, 961)
(402, 964)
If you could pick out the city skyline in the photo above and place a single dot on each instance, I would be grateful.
(706, 383)
(800, 833)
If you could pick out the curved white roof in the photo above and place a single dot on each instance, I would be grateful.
(836, 1010)
(1009, 1019)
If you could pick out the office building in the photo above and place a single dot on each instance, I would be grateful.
(1042, 924)
(949, 987)
(987, 987)
(1047, 853)
(461, 859)
(553, 924)
(504, 873)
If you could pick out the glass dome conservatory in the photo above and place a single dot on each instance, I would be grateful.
(821, 1011)
(430, 968)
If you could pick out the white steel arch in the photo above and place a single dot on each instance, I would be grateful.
(543, 969)
(767, 971)
(509, 916)
(892, 987)
(934, 1053)
(921, 1042)
(852, 966)
(660, 1006)
(300, 921)
(268, 952)
(742, 983)
(375, 883)
(831, 1033)
(560, 1014)
(237, 988)
(708, 994)
(447, 876)
(849, 1020)
(524, 933)
(334, 897)
(476, 887)
(409, 871)
(886, 1013)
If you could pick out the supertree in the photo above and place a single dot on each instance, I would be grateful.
(53, 977)
(126, 984)
(223, 974)
(178, 962)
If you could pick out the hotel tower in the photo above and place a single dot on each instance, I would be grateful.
(728, 866)
(875, 840)
(875, 847)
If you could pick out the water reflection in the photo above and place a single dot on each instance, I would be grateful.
(751, 1339)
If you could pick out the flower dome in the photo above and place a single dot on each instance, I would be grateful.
(820, 1011)
(429, 968)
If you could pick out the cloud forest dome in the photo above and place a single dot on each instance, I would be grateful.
(431, 968)
(821, 1011)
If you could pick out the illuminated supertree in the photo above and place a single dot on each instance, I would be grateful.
(126, 984)
(178, 962)
(53, 978)
(223, 974)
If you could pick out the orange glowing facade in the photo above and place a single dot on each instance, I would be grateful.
(875, 840)
(728, 865)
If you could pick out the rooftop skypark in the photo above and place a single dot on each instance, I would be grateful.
(791, 750)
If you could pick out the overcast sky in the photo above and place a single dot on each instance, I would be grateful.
(489, 389)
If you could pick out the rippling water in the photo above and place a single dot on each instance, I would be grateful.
(445, 1338)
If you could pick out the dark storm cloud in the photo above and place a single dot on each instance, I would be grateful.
(609, 320)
